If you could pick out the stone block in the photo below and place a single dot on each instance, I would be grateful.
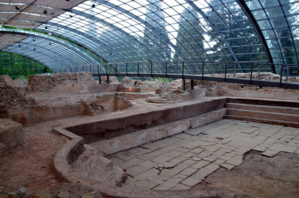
(204, 172)
(168, 184)
(284, 148)
(11, 133)
(191, 182)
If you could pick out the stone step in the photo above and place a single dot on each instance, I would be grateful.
(265, 102)
(263, 120)
(263, 108)
(263, 115)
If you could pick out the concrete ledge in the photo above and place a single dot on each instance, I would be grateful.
(124, 142)
(62, 159)
(115, 127)
(69, 168)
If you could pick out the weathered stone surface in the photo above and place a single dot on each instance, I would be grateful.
(1, 189)
(21, 191)
(62, 82)
(11, 133)
(127, 81)
(12, 96)
(64, 194)
(112, 80)
(156, 99)
(94, 194)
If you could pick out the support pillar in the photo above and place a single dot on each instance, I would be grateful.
(107, 79)
(192, 84)
(184, 84)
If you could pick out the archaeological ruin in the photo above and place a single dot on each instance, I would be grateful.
(136, 99)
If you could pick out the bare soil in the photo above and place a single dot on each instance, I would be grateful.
(260, 176)
(31, 164)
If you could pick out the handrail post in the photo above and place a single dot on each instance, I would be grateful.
(281, 72)
(225, 71)
(251, 71)
(259, 73)
(115, 69)
(192, 84)
(107, 75)
(126, 69)
(151, 64)
(203, 70)
(234, 70)
(288, 73)
(100, 81)
(138, 68)
(106, 68)
(166, 69)
(183, 69)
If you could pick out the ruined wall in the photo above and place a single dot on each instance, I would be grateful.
(80, 82)
(16, 103)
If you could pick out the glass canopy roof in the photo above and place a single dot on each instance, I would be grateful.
(114, 31)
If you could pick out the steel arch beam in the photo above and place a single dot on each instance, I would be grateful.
(45, 64)
(83, 34)
(13, 48)
(122, 10)
(116, 28)
(47, 49)
(28, 33)
(195, 7)
(289, 28)
(157, 33)
(47, 57)
(258, 30)
(40, 61)
(75, 31)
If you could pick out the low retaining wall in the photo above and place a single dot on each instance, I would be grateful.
(107, 129)
(105, 103)
(138, 138)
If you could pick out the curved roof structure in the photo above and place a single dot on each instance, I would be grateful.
(117, 31)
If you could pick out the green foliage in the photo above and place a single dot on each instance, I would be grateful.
(17, 66)
(236, 30)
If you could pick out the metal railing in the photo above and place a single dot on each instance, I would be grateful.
(252, 72)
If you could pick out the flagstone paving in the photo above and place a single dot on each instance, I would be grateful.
(184, 160)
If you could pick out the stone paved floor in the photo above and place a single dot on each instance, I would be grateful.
(184, 160)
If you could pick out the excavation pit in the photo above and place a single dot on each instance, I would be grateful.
(164, 154)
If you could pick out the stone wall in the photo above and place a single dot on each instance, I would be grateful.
(15, 101)
(79, 82)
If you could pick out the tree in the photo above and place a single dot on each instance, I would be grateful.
(154, 39)
(280, 27)
(17, 66)
(236, 38)
(189, 40)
